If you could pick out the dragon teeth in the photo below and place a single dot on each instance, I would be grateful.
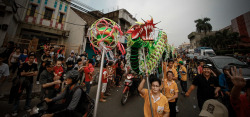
(136, 36)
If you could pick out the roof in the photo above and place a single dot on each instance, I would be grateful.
(90, 19)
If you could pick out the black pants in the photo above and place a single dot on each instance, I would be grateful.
(172, 109)
(66, 113)
(117, 80)
(108, 90)
(201, 102)
(39, 72)
(69, 68)
(184, 86)
(13, 67)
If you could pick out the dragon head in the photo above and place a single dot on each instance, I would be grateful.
(143, 30)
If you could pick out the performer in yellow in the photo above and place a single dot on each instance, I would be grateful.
(170, 90)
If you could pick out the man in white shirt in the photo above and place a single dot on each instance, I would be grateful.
(4, 73)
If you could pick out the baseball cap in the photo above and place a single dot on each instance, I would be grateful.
(181, 62)
(213, 108)
(206, 66)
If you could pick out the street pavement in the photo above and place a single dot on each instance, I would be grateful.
(113, 107)
(188, 106)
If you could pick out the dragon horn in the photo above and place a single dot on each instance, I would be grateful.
(143, 20)
(158, 22)
(151, 19)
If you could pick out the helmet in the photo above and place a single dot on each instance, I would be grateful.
(227, 67)
(74, 75)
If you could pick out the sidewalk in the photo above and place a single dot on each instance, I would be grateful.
(36, 88)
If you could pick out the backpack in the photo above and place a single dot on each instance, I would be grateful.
(86, 103)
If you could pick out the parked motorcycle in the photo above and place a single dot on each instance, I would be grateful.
(130, 87)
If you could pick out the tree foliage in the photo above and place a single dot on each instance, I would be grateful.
(221, 40)
(203, 25)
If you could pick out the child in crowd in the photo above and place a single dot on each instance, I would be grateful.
(70, 62)
(183, 74)
(200, 67)
(58, 71)
(94, 60)
(110, 78)
(104, 83)
(87, 76)
(91, 67)
(21, 59)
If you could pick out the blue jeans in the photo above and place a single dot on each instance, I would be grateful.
(28, 99)
(87, 87)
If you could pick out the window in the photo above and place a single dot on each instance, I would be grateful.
(32, 10)
(2, 13)
(48, 14)
(61, 17)
(2, 10)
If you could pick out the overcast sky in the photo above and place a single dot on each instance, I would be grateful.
(177, 16)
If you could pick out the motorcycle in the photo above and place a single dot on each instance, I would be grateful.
(193, 73)
(42, 108)
(130, 86)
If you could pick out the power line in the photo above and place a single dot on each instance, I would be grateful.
(51, 18)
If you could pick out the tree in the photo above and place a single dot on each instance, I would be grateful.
(203, 25)
(221, 39)
(208, 41)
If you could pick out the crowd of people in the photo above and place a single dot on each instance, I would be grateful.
(226, 95)
(52, 72)
(61, 77)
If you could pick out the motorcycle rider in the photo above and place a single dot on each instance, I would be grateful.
(72, 95)
(192, 65)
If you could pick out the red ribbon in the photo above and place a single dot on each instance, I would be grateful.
(121, 48)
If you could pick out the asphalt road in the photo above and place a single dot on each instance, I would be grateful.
(113, 107)
(134, 107)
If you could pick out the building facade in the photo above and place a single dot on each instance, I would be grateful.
(184, 47)
(195, 38)
(121, 17)
(59, 22)
(241, 24)
(10, 16)
(51, 21)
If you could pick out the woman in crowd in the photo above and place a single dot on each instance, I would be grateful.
(22, 59)
(170, 90)
(13, 61)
